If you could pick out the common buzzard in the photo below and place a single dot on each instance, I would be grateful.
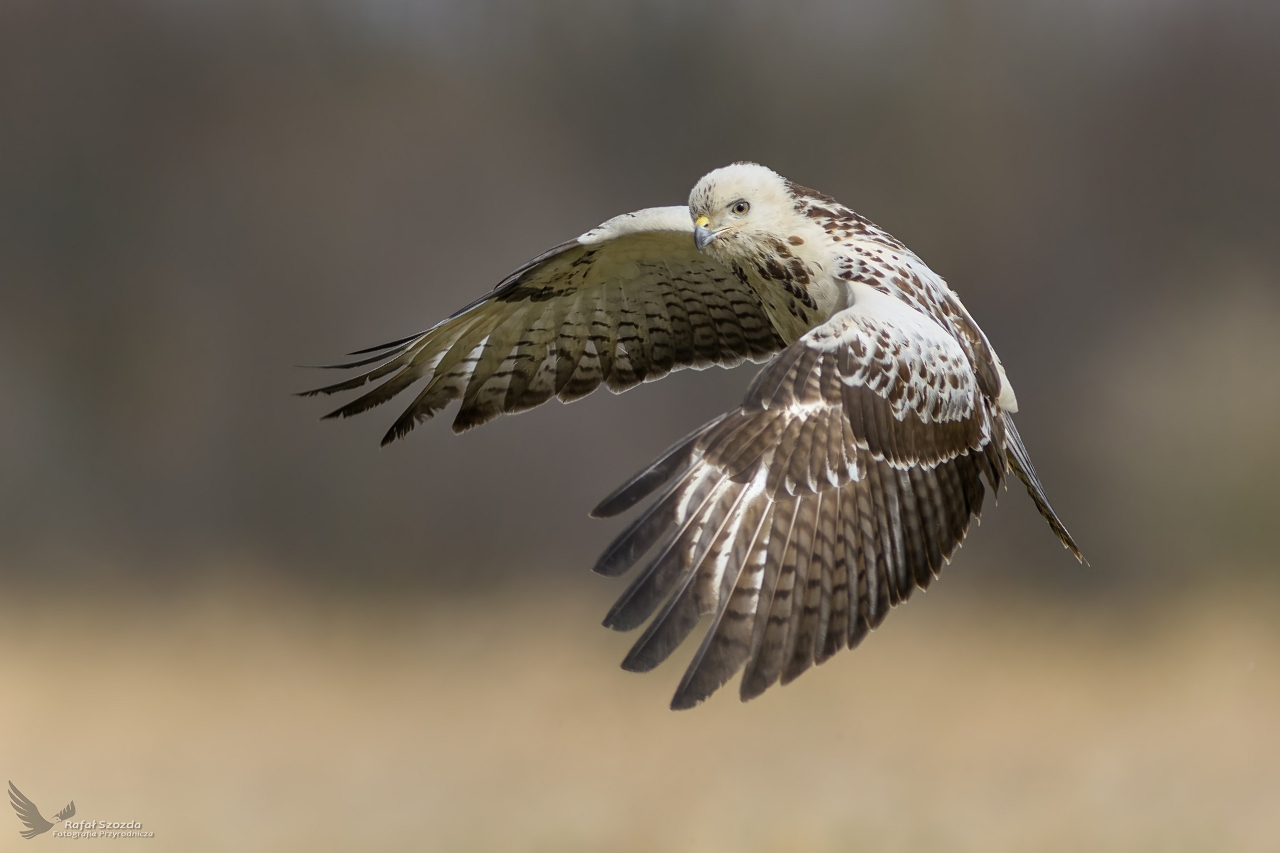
(848, 476)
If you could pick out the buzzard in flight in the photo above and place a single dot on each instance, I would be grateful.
(848, 476)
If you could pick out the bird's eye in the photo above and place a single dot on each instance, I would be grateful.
(740, 207)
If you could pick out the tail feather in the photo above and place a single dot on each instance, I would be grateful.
(1020, 462)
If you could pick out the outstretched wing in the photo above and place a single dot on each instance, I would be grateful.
(625, 303)
(28, 813)
(67, 813)
(847, 478)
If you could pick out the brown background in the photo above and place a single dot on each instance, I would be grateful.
(251, 630)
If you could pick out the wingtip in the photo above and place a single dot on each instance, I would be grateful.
(605, 568)
(639, 662)
(684, 702)
(620, 501)
(615, 622)
(388, 345)
(621, 555)
(404, 425)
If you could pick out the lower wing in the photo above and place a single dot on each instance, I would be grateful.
(847, 479)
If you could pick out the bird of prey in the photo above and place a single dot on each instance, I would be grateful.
(30, 815)
(848, 476)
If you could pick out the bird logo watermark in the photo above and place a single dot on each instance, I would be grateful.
(37, 825)
(30, 815)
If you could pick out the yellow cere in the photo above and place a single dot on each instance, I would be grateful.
(702, 221)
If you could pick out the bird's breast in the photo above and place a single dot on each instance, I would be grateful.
(794, 304)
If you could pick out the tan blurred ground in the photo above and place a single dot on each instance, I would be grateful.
(247, 719)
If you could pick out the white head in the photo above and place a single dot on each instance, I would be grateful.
(740, 210)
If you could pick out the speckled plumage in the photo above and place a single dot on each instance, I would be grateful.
(847, 478)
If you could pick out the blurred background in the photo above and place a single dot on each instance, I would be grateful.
(251, 630)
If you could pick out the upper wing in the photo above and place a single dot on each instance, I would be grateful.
(848, 477)
(625, 303)
(27, 813)
(67, 813)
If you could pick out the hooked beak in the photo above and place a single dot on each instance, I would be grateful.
(702, 235)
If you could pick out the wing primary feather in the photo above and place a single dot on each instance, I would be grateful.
(675, 557)
(928, 517)
(395, 359)
(915, 550)
(837, 633)
(827, 578)
(651, 526)
(888, 506)
(971, 480)
(463, 340)
(856, 564)
(888, 582)
(957, 500)
(449, 375)
(662, 469)
(670, 627)
(348, 365)
(784, 516)
(486, 390)
(804, 612)
(728, 640)
(766, 663)
(871, 595)
(388, 345)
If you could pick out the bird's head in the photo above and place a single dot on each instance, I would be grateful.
(739, 210)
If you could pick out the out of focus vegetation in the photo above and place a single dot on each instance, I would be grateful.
(248, 720)
(196, 196)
